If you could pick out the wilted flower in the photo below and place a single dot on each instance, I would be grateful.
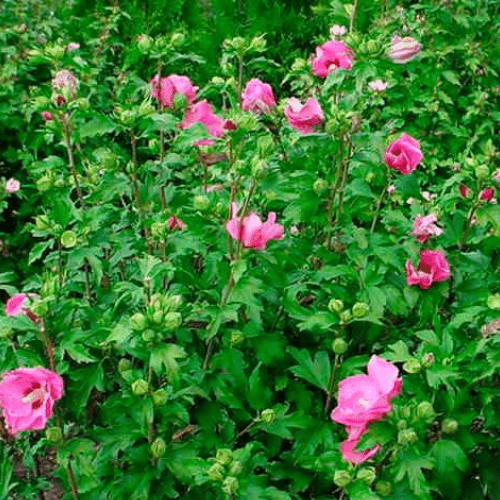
(173, 222)
(424, 228)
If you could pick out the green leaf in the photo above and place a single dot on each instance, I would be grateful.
(164, 359)
(315, 372)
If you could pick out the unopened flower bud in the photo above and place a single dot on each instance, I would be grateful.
(342, 478)
(428, 359)
(237, 338)
(259, 168)
(449, 426)
(138, 322)
(158, 317)
(370, 177)
(268, 416)
(148, 336)
(320, 187)
(54, 434)
(230, 485)
(236, 468)
(299, 64)
(345, 316)
(177, 39)
(405, 412)
(336, 305)
(258, 43)
(216, 472)
(412, 366)
(124, 364)
(158, 448)
(482, 172)
(224, 456)
(159, 397)
(360, 309)
(494, 301)
(407, 436)
(402, 424)
(339, 346)
(367, 474)
(144, 42)
(173, 320)
(383, 488)
(140, 387)
(158, 230)
(201, 202)
(425, 410)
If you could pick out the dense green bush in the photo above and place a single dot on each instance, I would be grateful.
(194, 366)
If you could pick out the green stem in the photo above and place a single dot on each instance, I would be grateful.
(467, 226)
(377, 209)
(67, 142)
(331, 384)
(162, 158)
(353, 15)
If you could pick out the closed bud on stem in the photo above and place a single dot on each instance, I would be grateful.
(138, 322)
(428, 359)
(383, 488)
(482, 172)
(268, 416)
(342, 478)
(402, 425)
(224, 456)
(201, 202)
(336, 305)
(449, 426)
(407, 436)
(360, 309)
(158, 317)
(425, 410)
(320, 187)
(159, 397)
(216, 472)
(124, 364)
(144, 42)
(140, 387)
(237, 338)
(405, 412)
(54, 434)
(158, 448)
(236, 468)
(412, 366)
(173, 320)
(230, 485)
(158, 230)
(148, 335)
(177, 39)
(68, 239)
(345, 316)
(367, 474)
(339, 346)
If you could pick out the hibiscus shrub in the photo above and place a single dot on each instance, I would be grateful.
(230, 289)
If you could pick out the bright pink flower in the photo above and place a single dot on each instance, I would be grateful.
(330, 56)
(258, 97)
(403, 154)
(173, 222)
(464, 191)
(17, 305)
(424, 228)
(432, 267)
(27, 397)
(164, 89)
(12, 186)
(202, 112)
(487, 194)
(47, 115)
(366, 398)
(304, 117)
(347, 448)
(403, 49)
(378, 85)
(252, 232)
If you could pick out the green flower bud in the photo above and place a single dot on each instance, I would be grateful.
(428, 359)
(449, 426)
(360, 309)
(42, 223)
(173, 320)
(383, 488)
(342, 478)
(173, 303)
(259, 168)
(372, 46)
(336, 305)
(54, 434)
(425, 410)
(158, 230)
(140, 387)
(258, 43)
(44, 184)
(237, 338)
(158, 448)
(265, 146)
(412, 366)
(370, 177)
(236, 468)
(367, 474)
(158, 317)
(55, 52)
(299, 64)
(405, 412)
(159, 397)
(68, 239)
(268, 416)
(224, 456)
(230, 485)
(407, 436)
(402, 425)
(124, 364)
(148, 336)
(144, 42)
(339, 346)
(482, 172)
(177, 39)
(216, 472)
(201, 202)
(217, 80)
(494, 301)
(138, 322)
(320, 187)
(345, 316)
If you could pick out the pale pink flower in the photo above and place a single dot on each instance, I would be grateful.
(391, 189)
(378, 85)
(65, 80)
(304, 117)
(202, 112)
(432, 267)
(72, 46)
(164, 89)
(252, 232)
(258, 97)
(27, 397)
(427, 196)
(331, 56)
(173, 222)
(424, 228)
(403, 154)
(337, 30)
(12, 186)
(403, 49)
